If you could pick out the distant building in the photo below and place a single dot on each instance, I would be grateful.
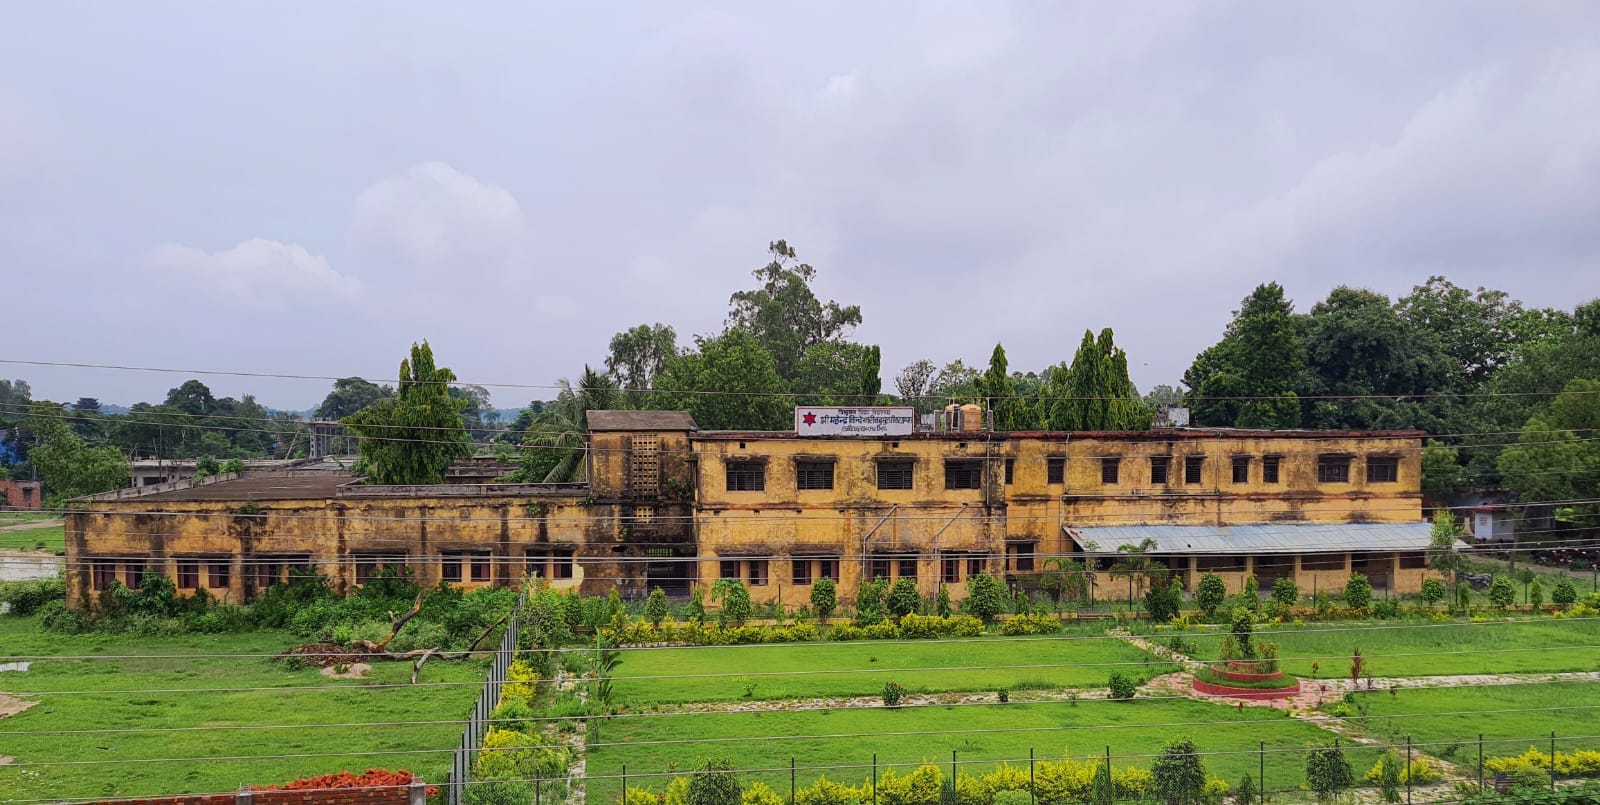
(25, 495)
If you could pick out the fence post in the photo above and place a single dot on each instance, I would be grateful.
(1262, 773)
(953, 768)
(1480, 761)
(417, 794)
(1408, 770)
(1032, 796)
(791, 780)
(624, 784)
(1552, 760)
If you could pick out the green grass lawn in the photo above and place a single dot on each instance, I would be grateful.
(13, 518)
(1445, 716)
(1421, 648)
(53, 538)
(796, 670)
(980, 734)
(42, 733)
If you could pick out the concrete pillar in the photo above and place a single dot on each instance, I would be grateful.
(1193, 572)
(417, 794)
(243, 797)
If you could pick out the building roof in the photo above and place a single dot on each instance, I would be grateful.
(1257, 539)
(640, 420)
(259, 486)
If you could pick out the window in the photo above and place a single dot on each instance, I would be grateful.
(1055, 469)
(908, 569)
(758, 572)
(1383, 469)
(1226, 564)
(747, 476)
(1414, 560)
(450, 568)
(879, 570)
(1269, 469)
(894, 474)
(132, 573)
(801, 570)
(188, 574)
(1322, 561)
(551, 563)
(950, 570)
(1191, 468)
(482, 568)
(1109, 469)
(730, 569)
(1333, 469)
(217, 574)
(105, 571)
(1019, 557)
(1010, 465)
(963, 474)
(370, 565)
(828, 568)
(1241, 469)
(813, 474)
(1158, 469)
(974, 565)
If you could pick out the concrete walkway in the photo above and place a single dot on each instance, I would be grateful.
(29, 565)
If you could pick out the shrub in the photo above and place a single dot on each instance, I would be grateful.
(1502, 593)
(825, 792)
(1122, 686)
(870, 602)
(655, 607)
(632, 796)
(966, 626)
(1536, 595)
(513, 714)
(757, 793)
(1031, 624)
(1012, 798)
(1210, 593)
(882, 630)
(824, 597)
(1386, 608)
(715, 784)
(892, 694)
(1565, 593)
(920, 787)
(903, 597)
(28, 597)
(735, 599)
(1178, 775)
(986, 597)
(1003, 695)
(847, 631)
(1162, 602)
(1215, 791)
(1432, 591)
(1358, 592)
(941, 603)
(1386, 775)
(1285, 592)
(921, 627)
(1327, 772)
(1245, 794)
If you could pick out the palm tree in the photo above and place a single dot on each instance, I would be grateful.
(1136, 563)
(558, 431)
(1065, 578)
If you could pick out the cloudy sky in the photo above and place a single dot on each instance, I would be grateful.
(305, 188)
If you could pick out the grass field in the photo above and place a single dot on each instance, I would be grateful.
(160, 701)
(1445, 716)
(980, 734)
(803, 670)
(52, 538)
(1412, 648)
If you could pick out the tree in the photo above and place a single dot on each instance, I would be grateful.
(1444, 555)
(1367, 367)
(1210, 593)
(1327, 772)
(555, 445)
(1178, 776)
(1248, 378)
(714, 783)
(1285, 592)
(68, 467)
(1095, 392)
(784, 315)
(824, 597)
(1552, 462)
(914, 383)
(1102, 791)
(1442, 473)
(738, 380)
(986, 597)
(735, 598)
(1502, 593)
(1065, 578)
(14, 396)
(1000, 395)
(349, 395)
(941, 603)
(1358, 592)
(1536, 595)
(655, 607)
(1163, 601)
(637, 356)
(903, 597)
(956, 382)
(475, 408)
(837, 373)
(1565, 594)
(192, 398)
(870, 601)
(414, 436)
(1245, 793)
(1389, 775)
(1432, 591)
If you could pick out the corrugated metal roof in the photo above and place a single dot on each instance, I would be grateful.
(1267, 538)
(639, 420)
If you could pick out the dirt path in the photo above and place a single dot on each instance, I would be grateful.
(33, 524)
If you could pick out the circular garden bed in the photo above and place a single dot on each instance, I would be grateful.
(1244, 679)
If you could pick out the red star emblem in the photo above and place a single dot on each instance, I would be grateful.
(810, 419)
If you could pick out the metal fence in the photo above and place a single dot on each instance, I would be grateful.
(478, 722)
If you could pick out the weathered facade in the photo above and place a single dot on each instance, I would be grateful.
(669, 506)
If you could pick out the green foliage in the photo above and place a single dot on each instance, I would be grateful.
(68, 466)
(783, 316)
(1101, 789)
(1245, 793)
(414, 436)
(715, 783)
(1122, 686)
(637, 355)
(1285, 592)
(735, 598)
(1555, 457)
(1248, 378)
(696, 609)
(871, 601)
(892, 694)
(1565, 593)
(1536, 594)
(999, 391)
(1210, 593)
(655, 607)
(1442, 472)
(1179, 776)
(1389, 769)
(941, 605)
(1328, 773)
(28, 597)
(986, 597)
(349, 395)
(752, 394)
(903, 597)
(1502, 593)
(554, 443)
(1095, 393)
(824, 597)
(1432, 591)
(1163, 601)
(1358, 592)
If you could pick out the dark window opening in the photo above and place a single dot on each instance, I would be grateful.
(1241, 469)
(894, 474)
(950, 571)
(105, 571)
(813, 474)
(369, 566)
(1110, 468)
(758, 572)
(1191, 468)
(879, 570)
(1227, 564)
(563, 561)
(132, 573)
(1382, 469)
(188, 574)
(482, 567)
(730, 569)
(450, 568)
(747, 476)
(908, 568)
(1413, 561)
(801, 570)
(828, 569)
(1010, 465)
(1019, 558)
(1158, 469)
(1269, 469)
(1055, 470)
(974, 565)
(217, 575)
(1333, 469)
(1322, 561)
(963, 474)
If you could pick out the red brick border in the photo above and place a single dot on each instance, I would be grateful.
(1246, 693)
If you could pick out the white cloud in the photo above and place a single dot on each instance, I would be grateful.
(434, 219)
(259, 270)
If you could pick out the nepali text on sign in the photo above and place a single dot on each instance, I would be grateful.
(816, 420)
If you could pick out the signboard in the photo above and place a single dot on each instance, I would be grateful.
(817, 420)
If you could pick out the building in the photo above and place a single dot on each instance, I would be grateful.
(667, 505)
(24, 495)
